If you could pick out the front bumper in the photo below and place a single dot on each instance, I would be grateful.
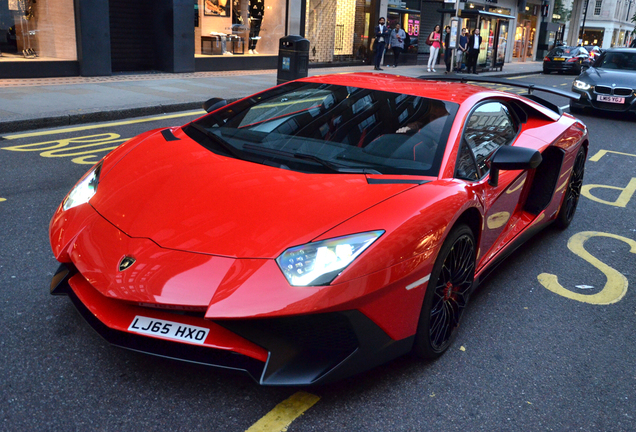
(294, 350)
(589, 99)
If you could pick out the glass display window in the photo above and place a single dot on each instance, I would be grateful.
(338, 30)
(42, 30)
(243, 27)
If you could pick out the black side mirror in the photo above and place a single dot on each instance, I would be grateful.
(214, 104)
(512, 158)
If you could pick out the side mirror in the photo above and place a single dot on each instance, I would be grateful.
(512, 158)
(214, 104)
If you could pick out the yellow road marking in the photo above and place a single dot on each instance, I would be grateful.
(522, 76)
(616, 285)
(602, 153)
(102, 125)
(284, 413)
(2, 199)
(626, 193)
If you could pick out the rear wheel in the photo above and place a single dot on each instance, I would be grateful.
(572, 193)
(447, 293)
(574, 109)
(546, 72)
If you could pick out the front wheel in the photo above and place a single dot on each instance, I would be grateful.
(447, 293)
(572, 193)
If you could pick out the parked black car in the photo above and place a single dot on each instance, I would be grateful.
(609, 84)
(565, 59)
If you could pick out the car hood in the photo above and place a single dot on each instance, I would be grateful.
(185, 197)
(609, 77)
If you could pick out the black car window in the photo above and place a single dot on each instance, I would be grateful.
(318, 127)
(489, 127)
(563, 51)
(618, 60)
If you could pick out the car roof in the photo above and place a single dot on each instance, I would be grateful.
(622, 49)
(442, 90)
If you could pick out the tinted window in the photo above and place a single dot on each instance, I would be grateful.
(345, 126)
(489, 127)
(563, 51)
(618, 60)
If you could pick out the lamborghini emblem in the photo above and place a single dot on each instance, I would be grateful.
(126, 262)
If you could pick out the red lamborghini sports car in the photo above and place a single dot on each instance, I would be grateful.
(316, 229)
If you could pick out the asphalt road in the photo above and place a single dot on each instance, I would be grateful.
(526, 358)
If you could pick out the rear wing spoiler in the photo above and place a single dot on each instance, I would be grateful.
(529, 86)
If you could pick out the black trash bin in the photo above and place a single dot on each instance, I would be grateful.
(293, 58)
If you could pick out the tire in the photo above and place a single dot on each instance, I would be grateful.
(447, 294)
(546, 72)
(575, 109)
(573, 192)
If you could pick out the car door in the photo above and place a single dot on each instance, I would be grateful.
(489, 126)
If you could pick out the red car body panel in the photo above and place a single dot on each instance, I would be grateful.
(206, 229)
(216, 198)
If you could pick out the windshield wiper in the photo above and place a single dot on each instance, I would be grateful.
(332, 166)
(219, 141)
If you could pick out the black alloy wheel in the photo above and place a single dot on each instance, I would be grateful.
(447, 293)
(573, 192)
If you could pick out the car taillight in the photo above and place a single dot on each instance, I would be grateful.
(546, 59)
(572, 60)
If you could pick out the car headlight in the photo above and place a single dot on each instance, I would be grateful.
(84, 190)
(581, 85)
(319, 263)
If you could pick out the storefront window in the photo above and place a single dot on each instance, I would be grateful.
(486, 31)
(230, 27)
(524, 36)
(42, 30)
(338, 30)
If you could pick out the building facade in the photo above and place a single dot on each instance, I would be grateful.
(91, 38)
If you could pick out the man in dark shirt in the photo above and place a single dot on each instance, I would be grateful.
(381, 39)
(462, 48)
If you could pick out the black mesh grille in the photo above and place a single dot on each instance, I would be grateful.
(330, 331)
(623, 91)
(603, 90)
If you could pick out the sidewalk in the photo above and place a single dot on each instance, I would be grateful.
(52, 102)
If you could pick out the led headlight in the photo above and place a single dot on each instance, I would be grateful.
(318, 263)
(84, 190)
(581, 85)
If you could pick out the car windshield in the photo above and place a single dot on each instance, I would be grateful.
(326, 128)
(563, 51)
(619, 60)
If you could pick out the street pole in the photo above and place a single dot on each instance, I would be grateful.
(457, 37)
(582, 32)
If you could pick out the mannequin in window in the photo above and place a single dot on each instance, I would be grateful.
(255, 18)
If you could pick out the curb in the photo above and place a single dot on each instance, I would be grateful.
(94, 117)
(125, 113)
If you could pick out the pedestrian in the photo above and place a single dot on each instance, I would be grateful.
(474, 43)
(448, 52)
(435, 37)
(381, 38)
(462, 47)
(396, 43)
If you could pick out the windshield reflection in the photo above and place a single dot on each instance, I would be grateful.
(344, 126)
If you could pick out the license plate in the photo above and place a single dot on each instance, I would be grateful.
(611, 99)
(559, 59)
(169, 329)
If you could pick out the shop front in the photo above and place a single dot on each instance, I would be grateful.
(37, 37)
(340, 31)
(407, 15)
(526, 32)
(494, 29)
